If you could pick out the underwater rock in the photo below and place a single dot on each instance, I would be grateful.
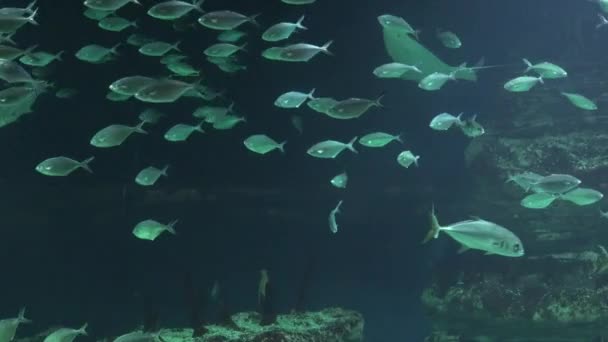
(329, 325)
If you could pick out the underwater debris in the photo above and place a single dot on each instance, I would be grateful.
(265, 299)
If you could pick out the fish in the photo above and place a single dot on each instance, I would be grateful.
(555, 184)
(223, 49)
(165, 91)
(227, 122)
(140, 336)
(444, 121)
(297, 123)
(40, 58)
(130, 85)
(13, 72)
(62, 166)
(303, 52)
(66, 93)
(262, 286)
(479, 234)
(183, 69)
(181, 132)
(115, 24)
(174, 9)
(226, 20)
(407, 158)
(283, 30)
(333, 225)
(322, 104)
(394, 70)
(582, 196)
(522, 83)
(8, 326)
(262, 144)
(525, 179)
(116, 97)
(538, 200)
(340, 181)
(11, 53)
(108, 5)
(10, 23)
(603, 214)
(471, 128)
(379, 139)
(151, 229)
(97, 54)
(231, 36)
(138, 39)
(158, 49)
(17, 95)
(580, 101)
(330, 149)
(66, 334)
(545, 70)
(449, 39)
(293, 99)
(435, 81)
(172, 58)
(211, 113)
(298, 2)
(115, 135)
(603, 21)
(397, 24)
(150, 115)
(353, 107)
(273, 53)
(18, 11)
(149, 175)
(96, 15)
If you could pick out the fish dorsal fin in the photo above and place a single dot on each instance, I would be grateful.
(463, 249)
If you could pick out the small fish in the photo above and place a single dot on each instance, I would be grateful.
(158, 49)
(181, 132)
(333, 225)
(298, 2)
(150, 230)
(226, 20)
(94, 14)
(262, 286)
(115, 135)
(379, 139)
(223, 50)
(116, 97)
(538, 201)
(183, 69)
(262, 144)
(66, 93)
(449, 39)
(150, 115)
(10, 53)
(10, 24)
(407, 158)
(138, 39)
(165, 91)
(297, 123)
(273, 53)
(444, 121)
(131, 85)
(435, 81)
(394, 70)
(293, 99)
(580, 101)
(330, 149)
(282, 31)
(40, 58)
(522, 83)
(172, 58)
(582, 196)
(13, 72)
(322, 104)
(174, 9)
(479, 234)
(555, 184)
(231, 36)
(66, 334)
(228, 122)
(108, 5)
(62, 166)
(211, 113)
(353, 108)
(397, 24)
(8, 326)
(140, 336)
(115, 24)
(97, 54)
(303, 52)
(525, 179)
(603, 21)
(546, 70)
(340, 181)
(149, 175)
(471, 128)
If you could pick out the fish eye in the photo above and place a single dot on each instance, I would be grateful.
(516, 248)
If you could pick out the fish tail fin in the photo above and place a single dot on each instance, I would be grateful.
(311, 94)
(399, 137)
(351, 146)
(299, 23)
(9, 38)
(30, 7)
(32, 18)
(435, 227)
(170, 227)
(176, 46)
(416, 160)
(114, 49)
(136, 2)
(199, 127)
(231, 107)
(83, 329)
(528, 64)
(140, 128)
(244, 47)
(378, 101)
(21, 316)
(28, 51)
(282, 146)
(325, 48)
(253, 19)
(540, 79)
(85, 164)
(198, 5)
(59, 55)
(164, 170)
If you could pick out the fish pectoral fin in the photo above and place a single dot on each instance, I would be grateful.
(463, 249)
